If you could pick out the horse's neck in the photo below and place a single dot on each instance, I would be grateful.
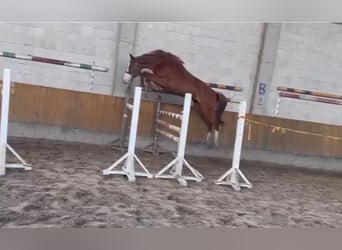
(154, 63)
(151, 65)
(194, 78)
(154, 60)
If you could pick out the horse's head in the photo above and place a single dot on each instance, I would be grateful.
(134, 69)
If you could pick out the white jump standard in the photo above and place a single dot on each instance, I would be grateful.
(232, 176)
(6, 88)
(128, 168)
(177, 164)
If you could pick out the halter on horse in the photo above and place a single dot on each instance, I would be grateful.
(165, 72)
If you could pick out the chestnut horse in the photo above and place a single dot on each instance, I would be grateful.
(165, 72)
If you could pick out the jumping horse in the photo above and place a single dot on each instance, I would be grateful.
(165, 72)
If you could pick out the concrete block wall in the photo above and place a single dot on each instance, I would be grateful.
(220, 53)
(309, 56)
(299, 55)
(76, 42)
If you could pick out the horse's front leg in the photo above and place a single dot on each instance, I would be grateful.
(154, 87)
(142, 82)
(154, 82)
(198, 109)
(147, 85)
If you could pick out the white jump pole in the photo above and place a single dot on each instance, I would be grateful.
(177, 163)
(183, 134)
(6, 93)
(232, 176)
(128, 169)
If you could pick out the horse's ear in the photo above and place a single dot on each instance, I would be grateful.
(131, 56)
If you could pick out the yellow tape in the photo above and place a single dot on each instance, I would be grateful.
(277, 128)
(249, 131)
(284, 130)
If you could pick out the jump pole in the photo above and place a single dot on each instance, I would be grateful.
(306, 95)
(154, 147)
(232, 176)
(53, 61)
(130, 157)
(309, 92)
(6, 88)
(224, 86)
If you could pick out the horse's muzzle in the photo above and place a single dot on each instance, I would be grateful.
(127, 78)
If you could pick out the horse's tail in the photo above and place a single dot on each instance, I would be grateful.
(221, 103)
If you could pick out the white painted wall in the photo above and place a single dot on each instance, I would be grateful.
(220, 53)
(309, 56)
(76, 42)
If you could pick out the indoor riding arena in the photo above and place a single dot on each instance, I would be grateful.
(84, 142)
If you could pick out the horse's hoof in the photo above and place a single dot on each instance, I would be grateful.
(210, 146)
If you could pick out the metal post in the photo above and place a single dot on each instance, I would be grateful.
(154, 147)
(155, 134)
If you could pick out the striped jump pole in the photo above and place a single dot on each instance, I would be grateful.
(227, 87)
(4, 129)
(176, 165)
(129, 106)
(171, 114)
(169, 126)
(232, 176)
(53, 61)
(306, 95)
(310, 98)
(130, 157)
(309, 92)
(154, 147)
(168, 135)
(224, 86)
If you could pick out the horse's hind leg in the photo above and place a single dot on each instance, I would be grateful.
(209, 130)
(216, 132)
(199, 109)
(208, 135)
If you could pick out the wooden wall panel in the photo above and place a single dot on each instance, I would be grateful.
(110, 114)
(102, 113)
(57, 107)
(27, 103)
(145, 125)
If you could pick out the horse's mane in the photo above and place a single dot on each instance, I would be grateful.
(159, 57)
